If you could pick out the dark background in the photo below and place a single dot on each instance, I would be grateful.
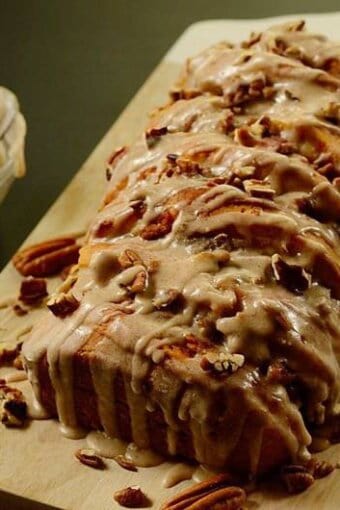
(74, 65)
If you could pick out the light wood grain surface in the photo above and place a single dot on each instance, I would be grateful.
(38, 463)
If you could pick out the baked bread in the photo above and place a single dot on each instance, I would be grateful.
(203, 317)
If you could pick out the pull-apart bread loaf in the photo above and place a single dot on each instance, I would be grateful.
(203, 317)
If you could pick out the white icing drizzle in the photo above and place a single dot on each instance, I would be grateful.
(112, 447)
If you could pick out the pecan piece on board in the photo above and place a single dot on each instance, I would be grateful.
(296, 478)
(217, 493)
(132, 497)
(33, 290)
(46, 258)
(88, 457)
(13, 408)
(125, 463)
(320, 468)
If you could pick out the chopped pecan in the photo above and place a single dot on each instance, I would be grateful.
(153, 136)
(296, 478)
(249, 91)
(160, 226)
(132, 497)
(32, 290)
(63, 304)
(217, 493)
(181, 166)
(291, 276)
(320, 468)
(116, 154)
(46, 258)
(140, 282)
(69, 279)
(125, 463)
(279, 372)
(188, 166)
(222, 363)
(259, 189)
(88, 457)
(13, 410)
(129, 258)
(106, 228)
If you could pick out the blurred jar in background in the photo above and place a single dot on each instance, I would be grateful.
(12, 141)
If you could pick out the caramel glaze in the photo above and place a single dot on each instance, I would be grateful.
(218, 235)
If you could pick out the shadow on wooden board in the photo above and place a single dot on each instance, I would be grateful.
(11, 502)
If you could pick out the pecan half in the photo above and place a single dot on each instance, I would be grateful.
(296, 478)
(181, 165)
(132, 497)
(88, 457)
(32, 290)
(62, 304)
(291, 276)
(320, 468)
(213, 494)
(46, 258)
(125, 463)
(13, 408)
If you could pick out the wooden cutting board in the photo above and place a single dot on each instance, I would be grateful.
(37, 464)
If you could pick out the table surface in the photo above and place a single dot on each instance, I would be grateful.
(75, 65)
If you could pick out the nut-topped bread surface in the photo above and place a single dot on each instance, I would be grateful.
(203, 320)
